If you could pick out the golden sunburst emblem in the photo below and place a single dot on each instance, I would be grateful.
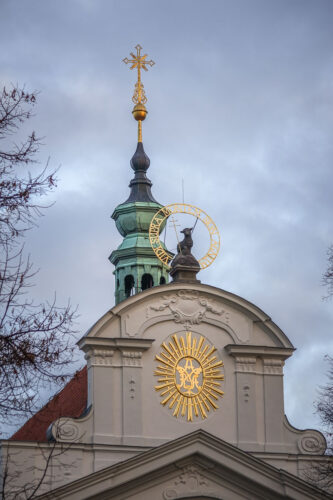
(190, 376)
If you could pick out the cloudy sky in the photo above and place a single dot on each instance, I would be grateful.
(240, 106)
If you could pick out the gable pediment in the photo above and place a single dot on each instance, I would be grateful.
(197, 465)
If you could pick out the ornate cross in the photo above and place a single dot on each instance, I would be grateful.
(173, 221)
(138, 61)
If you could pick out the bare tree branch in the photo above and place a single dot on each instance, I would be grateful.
(12, 486)
(320, 473)
(328, 275)
(19, 189)
(36, 340)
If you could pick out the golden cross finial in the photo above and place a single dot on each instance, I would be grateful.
(138, 61)
(139, 97)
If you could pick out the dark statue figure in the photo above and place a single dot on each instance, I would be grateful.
(185, 266)
(184, 247)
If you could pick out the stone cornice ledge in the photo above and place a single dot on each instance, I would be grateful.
(259, 351)
(86, 343)
(199, 448)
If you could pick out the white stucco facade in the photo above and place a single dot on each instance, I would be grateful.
(125, 419)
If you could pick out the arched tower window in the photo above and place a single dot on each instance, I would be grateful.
(129, 285)
(147, 281)
(162, 280)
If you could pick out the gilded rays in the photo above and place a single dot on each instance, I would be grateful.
(189, 376)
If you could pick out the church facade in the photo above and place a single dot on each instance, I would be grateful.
(240, 446)
(182, 395)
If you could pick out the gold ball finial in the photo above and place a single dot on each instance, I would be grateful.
(139, 112)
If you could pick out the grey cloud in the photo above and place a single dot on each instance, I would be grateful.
(239, 105)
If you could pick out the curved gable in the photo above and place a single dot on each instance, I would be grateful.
(188, 305)
(183, 357)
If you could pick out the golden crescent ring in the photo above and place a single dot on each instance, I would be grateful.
(184, 208)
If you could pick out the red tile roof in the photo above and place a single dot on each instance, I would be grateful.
(71, 401)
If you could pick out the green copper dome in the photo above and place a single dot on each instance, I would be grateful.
(134, 217)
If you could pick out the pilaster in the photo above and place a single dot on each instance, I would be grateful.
(115, 386)
(274, 401)
(246, 394)
(259, 395)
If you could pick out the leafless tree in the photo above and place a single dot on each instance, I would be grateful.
(328, 275)
(320, 473)
(36, 340)
(324, 406)
(19, 190)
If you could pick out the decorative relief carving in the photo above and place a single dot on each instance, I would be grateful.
(189, 482)
(170, 494)
(312, 443)
(189, 308)
(132, 388)
(192, 475)
(131, 358)
(130, 324)
(273, 366)
(99, 357)
(66, 431)
(246, 364)
(246, 393)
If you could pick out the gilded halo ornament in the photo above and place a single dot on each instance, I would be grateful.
(189, 376)
(158, 222)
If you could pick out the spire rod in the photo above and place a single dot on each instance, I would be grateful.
(139, 98)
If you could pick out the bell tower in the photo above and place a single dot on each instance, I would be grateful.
(136, 266)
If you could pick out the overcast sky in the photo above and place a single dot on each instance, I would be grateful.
(240, 106)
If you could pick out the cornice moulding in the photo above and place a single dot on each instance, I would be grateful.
(259, 351)
(120, 343)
